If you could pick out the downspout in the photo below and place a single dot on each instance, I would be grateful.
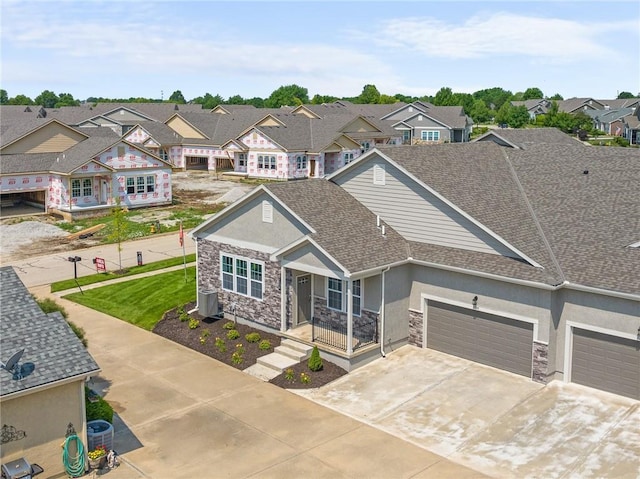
(382, 312)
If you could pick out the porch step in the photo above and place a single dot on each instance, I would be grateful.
(294, 349)
(262, 372)
(277, 362)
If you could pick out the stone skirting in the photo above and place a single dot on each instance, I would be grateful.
(540, 362)
(265, 311)
(416, 319)
(365, 326)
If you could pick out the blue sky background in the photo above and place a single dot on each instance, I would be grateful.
(142, 48)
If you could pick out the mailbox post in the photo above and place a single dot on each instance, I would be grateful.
(75, 260)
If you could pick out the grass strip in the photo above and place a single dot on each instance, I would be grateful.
(142, 301)
(100, 277)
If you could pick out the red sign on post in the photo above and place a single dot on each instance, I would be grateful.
(101, 267)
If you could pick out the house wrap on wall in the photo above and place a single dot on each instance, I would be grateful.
(519, 254)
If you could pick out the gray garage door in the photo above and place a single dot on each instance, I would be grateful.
(606, 362)
(484, 338)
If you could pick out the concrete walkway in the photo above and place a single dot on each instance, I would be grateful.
(181, 414)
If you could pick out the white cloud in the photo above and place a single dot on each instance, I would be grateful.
(502, 33)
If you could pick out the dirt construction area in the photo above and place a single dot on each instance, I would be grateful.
(26, 236)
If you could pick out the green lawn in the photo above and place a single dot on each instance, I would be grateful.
(99, 277)
(141, 301)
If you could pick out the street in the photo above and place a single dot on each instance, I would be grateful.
(46, 269)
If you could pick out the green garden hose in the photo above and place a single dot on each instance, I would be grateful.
(74, 466)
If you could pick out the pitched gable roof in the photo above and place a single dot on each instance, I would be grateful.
(527, 138)
(51, 347)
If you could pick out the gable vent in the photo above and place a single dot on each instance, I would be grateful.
(379, 175)
(267, 212)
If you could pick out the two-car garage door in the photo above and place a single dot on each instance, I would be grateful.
(606, 362)
(481, 337)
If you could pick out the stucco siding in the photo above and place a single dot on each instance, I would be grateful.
(245, 225)
(414, 212)
(44, 417)
(495, 297)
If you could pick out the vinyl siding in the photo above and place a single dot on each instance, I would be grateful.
(414, 212)
(52, 138)
(310, 257)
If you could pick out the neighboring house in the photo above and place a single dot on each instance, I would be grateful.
(77, 171)
(534, 107)
(610, 121)
(524, 257)
(575, 105)
(45, 392)
(421, 122)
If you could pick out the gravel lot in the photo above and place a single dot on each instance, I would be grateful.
(15, 235)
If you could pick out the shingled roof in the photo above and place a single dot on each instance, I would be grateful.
(52, 352)
(344, 227)
(528, 137)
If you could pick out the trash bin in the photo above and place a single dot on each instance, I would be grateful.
(99, 433)
(139, 258)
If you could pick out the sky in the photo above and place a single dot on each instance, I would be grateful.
(123, 49)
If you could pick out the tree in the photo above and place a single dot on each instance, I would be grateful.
(235, 100)
(557, 96)
(479, 112)
(494, 98)
(208, 101)
(465, 100)
(20, 100)
(624, 95)
(404, 98)
(66, 99)
(387, 100)
(502, 116)
(4, 97)
(177, 97)
(518, 116)
(444, 97)
(255, 101)
(532, 94)
(320, 99)
(369, 95)
(119, 227)
(288, 95)
(47, 99)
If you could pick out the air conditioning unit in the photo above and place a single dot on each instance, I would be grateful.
(208, 303)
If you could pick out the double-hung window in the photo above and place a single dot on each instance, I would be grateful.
(81, 187)
(301, 162)
(430, 135)
(141, 184)
(242, 276)
(336, 299)
(76, 190)
(267, 162)
(334, 294)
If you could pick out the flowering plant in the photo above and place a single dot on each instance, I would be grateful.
(97, 453)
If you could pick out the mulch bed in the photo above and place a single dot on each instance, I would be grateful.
(171, 327)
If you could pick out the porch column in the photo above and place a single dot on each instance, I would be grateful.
(349, 317)
(283, 299)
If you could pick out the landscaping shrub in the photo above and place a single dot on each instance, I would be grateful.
(233, 334)
(264, 345)
(229, 325)
(305, 378)
(252, 337)
(193, 323)
(315, 362)
(99, 409)
(204, 335)
(221, 345)
(238, 355)
(182, 314)
(288, 375)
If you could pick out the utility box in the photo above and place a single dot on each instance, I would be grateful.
(208, 303)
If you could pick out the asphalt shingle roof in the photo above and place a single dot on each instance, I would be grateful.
(52, 350)
(344, 227)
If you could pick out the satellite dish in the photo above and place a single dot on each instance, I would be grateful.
(12, 365)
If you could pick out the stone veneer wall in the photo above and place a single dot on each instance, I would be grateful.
(540, 362)
(267, 311)
(365, 326)
(415, 328)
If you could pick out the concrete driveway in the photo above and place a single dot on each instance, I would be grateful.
(492, 421)
(181, 414)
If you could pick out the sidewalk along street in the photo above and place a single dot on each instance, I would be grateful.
(47, 269)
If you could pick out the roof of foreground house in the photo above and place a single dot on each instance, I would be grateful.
(52, 352)
(344, 227)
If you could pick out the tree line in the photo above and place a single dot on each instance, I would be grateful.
(483, 106)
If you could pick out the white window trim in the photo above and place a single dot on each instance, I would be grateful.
(140, 182)
(249, 279)
(343, 294)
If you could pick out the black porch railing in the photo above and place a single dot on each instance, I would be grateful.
(335, 335)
